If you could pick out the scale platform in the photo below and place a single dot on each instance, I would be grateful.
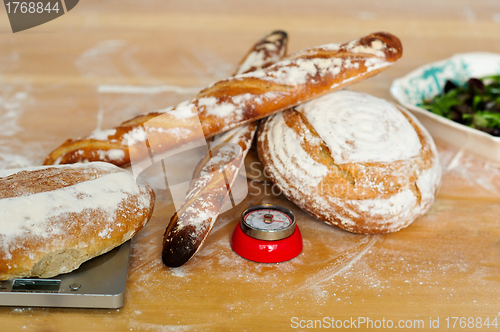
(97, 283)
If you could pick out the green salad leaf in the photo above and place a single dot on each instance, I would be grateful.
(475, 104)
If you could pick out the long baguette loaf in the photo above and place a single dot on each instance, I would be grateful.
(217, 172)
(241, 99)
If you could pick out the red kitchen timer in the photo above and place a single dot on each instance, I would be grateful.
(267, 233)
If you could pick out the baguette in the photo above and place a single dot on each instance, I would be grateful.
(238, 100)
(216, 174)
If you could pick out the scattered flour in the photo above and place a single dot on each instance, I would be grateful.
(14, 152)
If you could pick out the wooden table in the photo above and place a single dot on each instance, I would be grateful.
(106, 61)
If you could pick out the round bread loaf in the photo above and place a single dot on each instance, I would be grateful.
(54, 218)
(352, 160)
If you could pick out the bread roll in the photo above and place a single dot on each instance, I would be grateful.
(54, 218)
(352, 160)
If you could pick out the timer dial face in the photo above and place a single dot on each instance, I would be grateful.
(268, 222)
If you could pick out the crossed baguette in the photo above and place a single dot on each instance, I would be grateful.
(259, 89)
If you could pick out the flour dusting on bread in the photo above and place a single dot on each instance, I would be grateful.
(352, 160)
(80, 210)
(361, 128)
(247, 97)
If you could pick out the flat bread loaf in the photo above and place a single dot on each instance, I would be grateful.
(352, 160)
(54, 218)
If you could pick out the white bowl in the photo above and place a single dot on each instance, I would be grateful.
(428, 81)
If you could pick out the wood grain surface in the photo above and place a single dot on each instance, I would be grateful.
(106, 61)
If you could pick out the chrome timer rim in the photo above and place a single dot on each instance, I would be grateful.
(263, 234)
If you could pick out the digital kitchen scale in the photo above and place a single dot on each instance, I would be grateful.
(97, 283)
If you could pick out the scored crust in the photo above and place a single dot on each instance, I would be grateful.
(52, 219)
(375, 176)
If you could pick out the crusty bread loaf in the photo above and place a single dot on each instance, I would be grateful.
(352, 160)
(192, 223)
(238, 100)
(54, 218)
(216, 174)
